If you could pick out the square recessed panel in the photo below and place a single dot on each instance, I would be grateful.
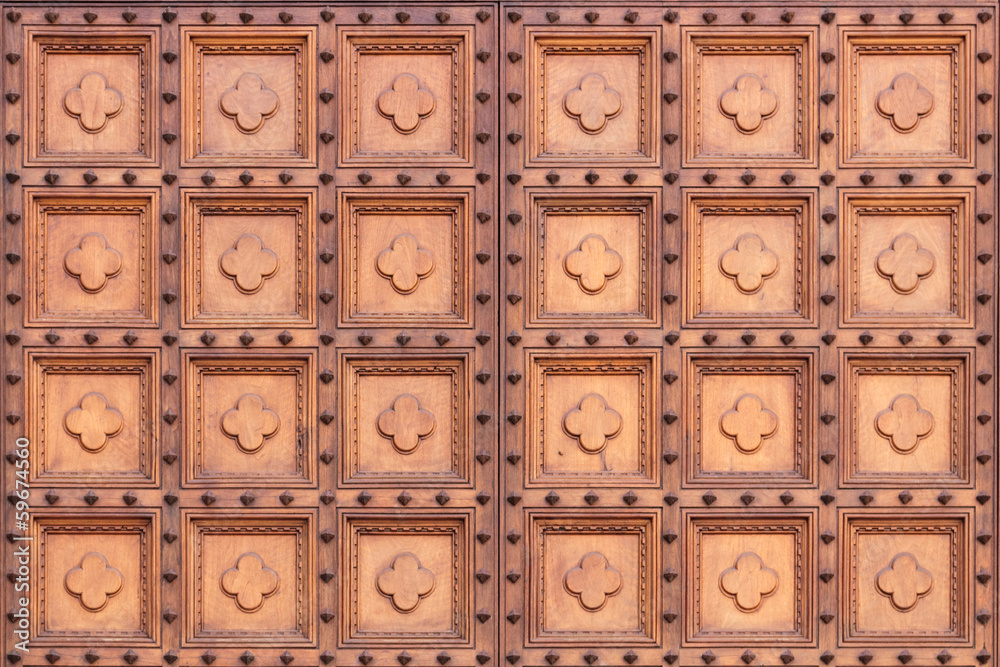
(593, 578)
(410, 582)
(250, 96)
(593, 259)
(249, 419)
(405, 95)
(406, 419)
(593, 97)
(93, 97)
(751, 95)
(591, 419)
(95, 577)
(750, 578)
(909, 419)
(405, 258)
(908, 99)
(93, 258)
(93, 417)
(751, 259)
(751, 419)
(249, 259)
(906, 258)
(249, 577)
(905, 580)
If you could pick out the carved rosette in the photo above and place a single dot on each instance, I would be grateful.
(405, 103)
(93, 422)
(592, 423)
(905, 264)
(748, 582)
(593, 264)
(249, 582)
(250, 423)
(93, 262)
(405, 582)
(904, 424)
(748, 103)
(405, 423)
(749, 263)
(93, 102)
(404, 264)
(904, 103)
(593, 581)
(748, 424)
(904, 582)
(592, 103)
(249, 103)
(94, 582)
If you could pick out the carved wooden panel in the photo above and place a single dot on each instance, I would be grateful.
(410, 579)
(592, 578)
(591, 419)
(909, 97)
(250, 419)
(906, 579)
(750, 578)
(751, 258)
(93, 418)
(93, 258)
(251, 95)
(751, 419)
(249, 576)
(92, 97)
(910, 419)
(910, 257)
(249, 258)
(752, 97)
(591, 259)
(406, 419)
(96, 578)
(405, 258)
(405, 95)
(592, 96)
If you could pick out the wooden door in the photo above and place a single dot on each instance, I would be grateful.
(749, 359)
(249, 333)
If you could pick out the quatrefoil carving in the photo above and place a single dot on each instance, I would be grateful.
(904, 582)
(749, 263)
(405, 423)
(592, 264)
(593, 423)
(904, 102)
(248, 263)
(406, 582)
(749, 423)
(904, 423)
(405, 103)
(249, 582)
(249, 103)
(593, 581)
(748, 103)
(93, 422)
(404, 264)
(748, 582)
(93, 102)
(592, 103)
(94, 582)
(93, 262)
(250, 423)
(905, 264)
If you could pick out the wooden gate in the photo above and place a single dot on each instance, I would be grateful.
(749, 395)
(249, 332)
